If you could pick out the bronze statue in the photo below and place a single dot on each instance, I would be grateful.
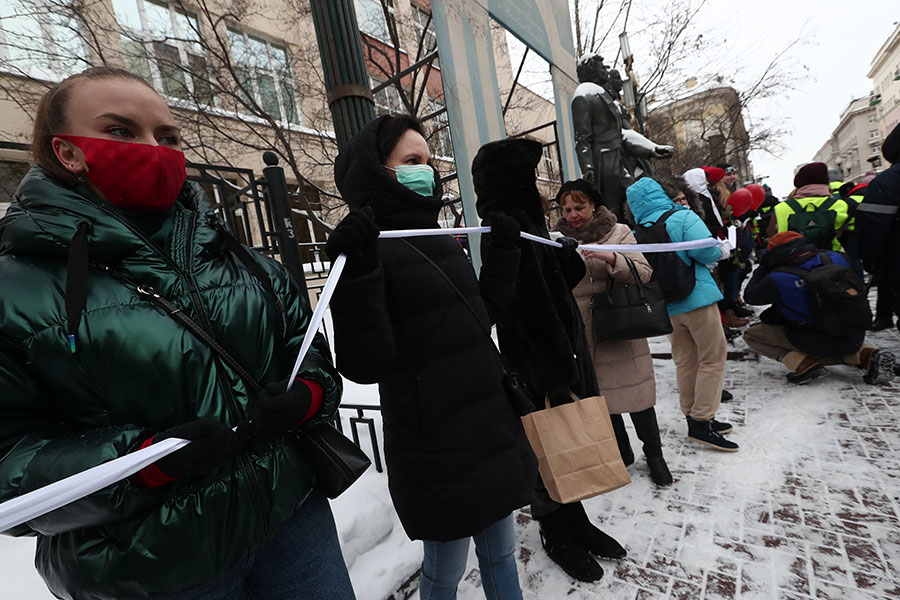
(611, 154)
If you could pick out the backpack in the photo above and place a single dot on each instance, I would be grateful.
(815, 223)
(674, 276)
(837, 297)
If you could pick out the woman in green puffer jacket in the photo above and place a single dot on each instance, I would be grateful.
(91, 369)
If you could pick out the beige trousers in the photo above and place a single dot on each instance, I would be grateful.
(772, 341)
(699, 351)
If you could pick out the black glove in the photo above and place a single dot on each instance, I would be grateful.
(505, 231)
(356, 236)
(569, 244)
(276, 411)
(212, 443)
(588, 176)
(560, 397)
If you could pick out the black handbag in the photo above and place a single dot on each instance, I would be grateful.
(335, 459)
(629, 312)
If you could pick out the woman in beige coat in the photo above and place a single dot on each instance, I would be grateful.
(624, 368)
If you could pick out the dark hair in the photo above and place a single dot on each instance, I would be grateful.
(391, 129)
(50, 118)
(673, 185)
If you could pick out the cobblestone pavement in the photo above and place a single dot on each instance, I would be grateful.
(808, 508)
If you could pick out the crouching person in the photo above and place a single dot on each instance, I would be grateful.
(819, 313)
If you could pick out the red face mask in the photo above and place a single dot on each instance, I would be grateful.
(132, 176)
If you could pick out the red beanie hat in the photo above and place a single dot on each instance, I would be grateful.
(815, 172)
(713, 174)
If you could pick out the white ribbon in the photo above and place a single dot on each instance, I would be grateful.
(48, 498)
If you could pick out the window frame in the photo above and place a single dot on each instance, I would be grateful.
(148, 39)
(52, 71)
(270, 70)
(392, 11)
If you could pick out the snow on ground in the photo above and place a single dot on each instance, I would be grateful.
(807, 509)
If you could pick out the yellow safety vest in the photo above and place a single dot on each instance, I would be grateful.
(783, 211)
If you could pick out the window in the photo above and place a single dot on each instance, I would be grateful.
(387, 100)
(264, 70)
(162, 43)
(370, 18)
(440, 142)
(549, 165)
(873, 134)
(40, 40)
(425, 32)
(872, 118)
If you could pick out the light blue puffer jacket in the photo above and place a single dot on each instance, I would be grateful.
(648, 202)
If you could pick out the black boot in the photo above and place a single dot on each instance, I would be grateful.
(622, 440)
(703, 432)
(565, 550)
(647, 428)
(581, 528)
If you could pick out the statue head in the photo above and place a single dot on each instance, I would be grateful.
(614, 84)
(590, 68)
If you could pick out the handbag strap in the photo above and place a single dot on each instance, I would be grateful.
(449, 281)
(178, 315)
(452, 285)
(637, 281)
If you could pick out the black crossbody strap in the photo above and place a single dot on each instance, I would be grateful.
(451, 284)
(178, 315)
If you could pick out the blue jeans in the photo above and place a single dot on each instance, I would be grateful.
(302, 560)
(445, 564)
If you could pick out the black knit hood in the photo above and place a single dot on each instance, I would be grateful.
(504, 178)
(890, 149)
(363, 182)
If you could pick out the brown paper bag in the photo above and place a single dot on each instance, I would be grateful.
(576, 449)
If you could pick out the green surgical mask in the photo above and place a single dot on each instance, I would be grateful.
(418, 178)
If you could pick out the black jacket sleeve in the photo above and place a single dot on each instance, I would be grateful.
(877, 215)
(761, 289)
(499, 270)
(364, 341)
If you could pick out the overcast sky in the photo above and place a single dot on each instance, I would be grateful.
(840, 41)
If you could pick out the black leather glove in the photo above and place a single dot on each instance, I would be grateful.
(212, 443)
(505, 231)
(276, 411)
(569, 244)
(356, 236)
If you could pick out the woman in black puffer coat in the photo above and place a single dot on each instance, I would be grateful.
(540, 328)
(457, 458)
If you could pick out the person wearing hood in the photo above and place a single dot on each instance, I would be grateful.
(539, 327)
(92, 368)
(624, 368)
(409, 315)
(788, 332)
(699, 181)
(811, 191)
(698, 341)
(878, 225)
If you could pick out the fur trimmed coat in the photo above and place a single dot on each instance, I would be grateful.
(624, 368)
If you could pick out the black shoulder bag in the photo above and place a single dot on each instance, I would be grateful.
(335, 459)
(512, 383)
(630, 312)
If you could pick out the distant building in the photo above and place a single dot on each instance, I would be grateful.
(885, 76)
(707, 128)
(855, 144)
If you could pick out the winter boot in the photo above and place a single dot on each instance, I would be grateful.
(565, 550)
(589, 536)
(741, 311)
(721, 427)
(882, 323)
(809, 370)
(702, 431)
(647, 428)
(729, 319)
(878, 365)
(727, 396)
(622, 440)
